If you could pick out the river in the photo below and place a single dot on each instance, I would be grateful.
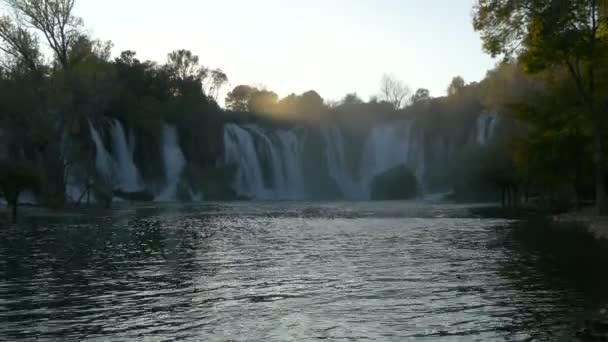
(268, 271)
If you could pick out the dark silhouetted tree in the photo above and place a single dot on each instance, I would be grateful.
(237, 100)
(54, 19)
(351, 99)
(456, 86)
(421, 95)
(262, 101)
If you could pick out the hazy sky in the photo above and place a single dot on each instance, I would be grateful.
(332, 46)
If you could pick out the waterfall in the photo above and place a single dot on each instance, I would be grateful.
(486, 127)
(127, 175)
(337, 163)
(239, 149)
(174, 161)
(288, 150)
(270, 162)
(103, 159)
(389, 146)
(283, 152)
(118, 169)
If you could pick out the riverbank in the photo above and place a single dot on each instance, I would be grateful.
(586, 218)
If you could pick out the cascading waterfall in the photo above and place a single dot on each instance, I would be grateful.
(103, 159)
(486, 126)
(389, 146)
(127, 174)
(284, 153)
(288, 150)
(270, 162)
(239, 149)
(174, 161)
(337, 163)
(118, 169)
(280, 153)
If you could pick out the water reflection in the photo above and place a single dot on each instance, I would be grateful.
(271, 271)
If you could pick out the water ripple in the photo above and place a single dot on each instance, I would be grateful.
(279, 272)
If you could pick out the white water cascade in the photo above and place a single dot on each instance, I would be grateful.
(117, 169)
(270, 163)
(337, 163)
(174, 161)
(103, 159)
(239, 149)
(486, 127)
(127, 174)
(389, 146)
(283, 153)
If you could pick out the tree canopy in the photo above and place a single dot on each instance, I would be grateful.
(555, 35)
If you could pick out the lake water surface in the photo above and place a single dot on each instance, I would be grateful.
(384, 271)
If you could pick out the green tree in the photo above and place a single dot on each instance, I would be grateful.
(544, 34)
(456, 86)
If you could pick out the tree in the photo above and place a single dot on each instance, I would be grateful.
(54, 19)
(394, 91)
(262, 101)
(238, 99)
(214, 83)
(544, 34)
(456, 86)
(421, 95)
(19, 44)
(184, 65)
(351, 99)
(507, 85)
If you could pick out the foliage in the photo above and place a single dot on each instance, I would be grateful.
(420, 95)
(547, 36)
(456, 86)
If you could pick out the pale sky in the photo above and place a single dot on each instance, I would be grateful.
(332, 46)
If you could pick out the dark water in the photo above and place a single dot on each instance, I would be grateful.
(281, 272)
